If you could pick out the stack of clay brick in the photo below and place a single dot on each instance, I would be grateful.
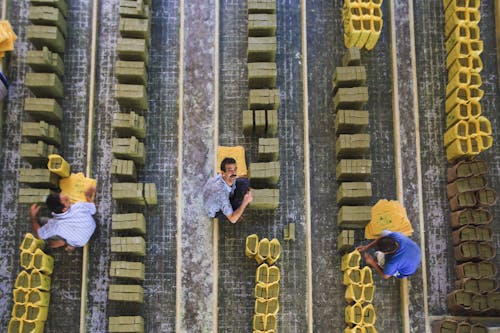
(362, 23)
(468, 133)
(474, 250)
(359, 313)
(43, 112)
(266, 253)
(128, 245)
(261, 118)
(352, 146)
(453, 326)
(32, 288)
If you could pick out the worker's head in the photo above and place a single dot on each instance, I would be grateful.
(387, 245)
(228, 168)
(58, 203)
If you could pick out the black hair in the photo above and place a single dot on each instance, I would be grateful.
(387, 244)
(54, 203)
(227, 160)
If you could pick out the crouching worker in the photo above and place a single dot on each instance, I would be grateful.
(396, 254)
(71, 225)
(225, 194)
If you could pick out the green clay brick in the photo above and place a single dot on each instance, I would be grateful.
(132, 96)
(38, 178)
(353, 170)
(127, 270)
(126, 324)
(131, 72)
(268, 149)
(134, 28)
(129, 245)
(261, 49)
(45, 61)
(261, 25)
(44, 85)
(263, 99)
(262, 75)
(43, 35)
(352, 57)
(261, 6)
(135, 8)
(345, 240)
(129, 124)
(133, 222)
(129, 193)
(45, 15)
(126, 293)
(46, 109)
(348, 77)
(150, 194)
(354, 216)
(265, 199)
(271, 122)
(350, 98)
(351, 121)
(60, 4)
(35, 131)
(123, 170)
(289, 232)
(354, 193)
(129, 148)
(33, 195)
(264, 174)
(248, 122)
(352, 145)
(36, 152)
(259, 121)
(132, 49)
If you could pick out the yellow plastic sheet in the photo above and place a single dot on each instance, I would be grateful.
(74, 186)
(236, 152)
(388, 215)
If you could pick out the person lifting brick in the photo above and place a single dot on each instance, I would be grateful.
(71, 225)
(225, 194)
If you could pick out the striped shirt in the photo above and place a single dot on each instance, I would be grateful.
(76, 225)
(216, 194)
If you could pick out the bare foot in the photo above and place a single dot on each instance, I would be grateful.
(69, 248)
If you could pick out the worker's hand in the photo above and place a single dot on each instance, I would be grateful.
(369, 259)
(34, 210)
(89, 193)
(248, 197)
(362, 248)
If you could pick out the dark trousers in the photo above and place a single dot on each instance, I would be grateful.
(236, 199)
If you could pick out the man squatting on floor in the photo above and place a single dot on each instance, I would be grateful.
(70, 226)
(397, 255)
(226, 194)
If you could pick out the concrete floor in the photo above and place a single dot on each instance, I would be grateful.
(180, 275)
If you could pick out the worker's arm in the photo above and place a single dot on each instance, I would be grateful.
(235, 216)
(34, 210)
(363, 248)
(373, 263)
(89, 193)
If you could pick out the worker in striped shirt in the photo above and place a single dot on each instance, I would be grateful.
(71, 225)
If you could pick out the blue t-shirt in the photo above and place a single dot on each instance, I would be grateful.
(404, 262)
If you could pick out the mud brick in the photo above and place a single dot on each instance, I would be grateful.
(123, 170)
(349, 76)
(129, 124)
(260, 121)
(354, 193)
(354, 216)
(60, 4)
(268, 149)
(129, 148)
(135, 8)
(38, 178)
(263, 99)
(127, 270)
(45, 15)
(264, 174)
(261, 6)
(350, 98)
(43, 35)
(262, 75)
(33, 195)
(345, 240)
(43, 109)
(131, 72)
(265, 199)
(128, 324)
(150, 194)
(351, 121)
(289, 232)
(126, 293)
(132, 49)
(248, 122)
(134, 28)
(36, 131)
(261, 49)
(36, 152)
(271, 122)
(261, 25)
(352, 145)
(131, 95)
(129, 245)
(352, 57)
(45, 61)
(44, 85)
(129, 193)
(134, 222)
(353, 170)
